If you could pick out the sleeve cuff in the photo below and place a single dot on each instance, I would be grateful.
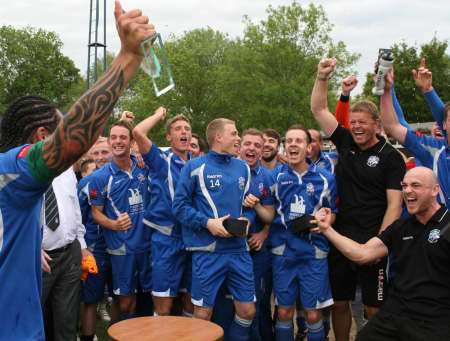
(344, 98)
(82, 242)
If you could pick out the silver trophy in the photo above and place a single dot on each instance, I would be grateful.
(156, 64)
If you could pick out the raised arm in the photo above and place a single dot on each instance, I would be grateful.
(319, 102)
(360, 253)
(423, 78)
(343, 105)
(388, 117)
(140, 132)
(85, 120)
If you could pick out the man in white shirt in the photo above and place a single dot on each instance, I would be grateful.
(63, 246)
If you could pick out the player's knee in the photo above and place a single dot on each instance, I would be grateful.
(285, 313)
(341, 307)
(126, 305)
(202, 313)
(313, 316)
(246, 311)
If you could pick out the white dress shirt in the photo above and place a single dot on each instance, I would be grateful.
(70, 225)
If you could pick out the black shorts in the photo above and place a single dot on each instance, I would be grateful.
(386, 326)
(345, 275)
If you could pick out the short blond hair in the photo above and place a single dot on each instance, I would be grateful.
(216, 126)
(176, 118)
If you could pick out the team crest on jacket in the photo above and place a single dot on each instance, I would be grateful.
(434, 236)
(310, 188)
(241, 182)
(373, 161)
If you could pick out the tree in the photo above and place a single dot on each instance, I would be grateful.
(31, 63)
(263, 79)
(408, 58)
(274, 69)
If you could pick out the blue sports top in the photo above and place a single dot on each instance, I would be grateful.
(211, 186)
(434, 154)
(165, 168)
(296, 195)
(24, 177)
(95, 240)
(122, 192)
(260, 186)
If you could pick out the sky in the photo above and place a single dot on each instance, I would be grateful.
(363, 25)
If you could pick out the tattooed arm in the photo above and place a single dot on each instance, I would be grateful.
(86, 118)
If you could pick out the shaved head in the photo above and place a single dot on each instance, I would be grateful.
(420, 191)
(424, 174)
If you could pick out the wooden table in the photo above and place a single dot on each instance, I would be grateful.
(165, 328)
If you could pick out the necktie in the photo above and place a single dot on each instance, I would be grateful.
(51, 209)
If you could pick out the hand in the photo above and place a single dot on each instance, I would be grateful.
(348, 84)
(86, 253)
(133, 28)
(160, 113)
(135, 152)
(256, 240)
(122, 223)
(389, 81)
(282, 158)
(322, 219)
(45, 259)
(325, 68)
(127, 116)
(215, 226)
(423, 77)
(251, 201)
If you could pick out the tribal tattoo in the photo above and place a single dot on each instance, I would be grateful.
(83, 124)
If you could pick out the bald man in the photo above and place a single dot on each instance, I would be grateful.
(418, 306)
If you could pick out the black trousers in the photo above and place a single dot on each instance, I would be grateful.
(385, 326)
(61, 294)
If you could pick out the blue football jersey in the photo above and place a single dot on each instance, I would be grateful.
(297, 195)
(20, 245)
(164, 170)
(94, 237)
(122, 192)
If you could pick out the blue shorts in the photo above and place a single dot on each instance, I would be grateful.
(309, 277)
(210, 270)
(93, 288)
(171, 270)
(128, 270)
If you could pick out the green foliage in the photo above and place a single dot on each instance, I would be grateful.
(262, 80)
(31, 62)
(408, 58)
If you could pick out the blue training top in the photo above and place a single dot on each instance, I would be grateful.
(434, 154)
(122, 192)
(211, 186)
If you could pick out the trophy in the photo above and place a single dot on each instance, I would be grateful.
(156, 64)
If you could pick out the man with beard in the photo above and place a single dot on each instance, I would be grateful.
(368, 177)
(272, 141)
(418, 306)
(171, 263)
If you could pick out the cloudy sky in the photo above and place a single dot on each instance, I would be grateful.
(364, 25)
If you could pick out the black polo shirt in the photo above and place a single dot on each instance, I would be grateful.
(362, 178)
(421, 288)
